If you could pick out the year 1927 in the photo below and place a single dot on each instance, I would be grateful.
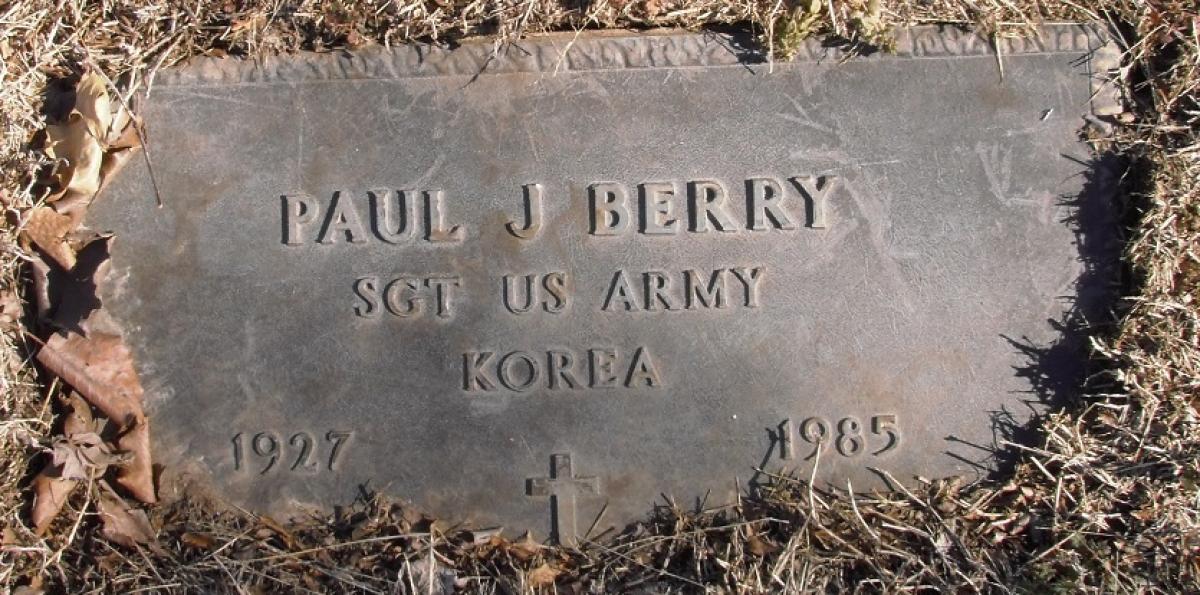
(266, 451)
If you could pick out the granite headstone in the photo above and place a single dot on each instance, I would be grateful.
(521, 287)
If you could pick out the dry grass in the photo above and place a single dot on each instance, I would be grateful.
(1107, 501)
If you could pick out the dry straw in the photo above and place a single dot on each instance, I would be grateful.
(1105, 500)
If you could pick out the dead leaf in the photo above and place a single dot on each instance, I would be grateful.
(81, 140)
(542, 576)
(125, 524)
(124, 132)
(288, 539)
(137, 475)
(198, 541)
(78, 416)
(47, 229)
(50, 488)
(74, 142)
(83, 456)
(101, 368)
(49, 495)
(92, 102)
(759, 547)
(526, 548)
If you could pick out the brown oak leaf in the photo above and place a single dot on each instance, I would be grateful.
(137, 475)
(101, 368)
(198, 541)
(125, 524)
(273, 526)
(126, 132)
(78, 417)
(49, 496)
(525, 548)
(74, 142)
(759, 547)
(83, 456)
(47, 229)
(92, 102)
(50, 488)
(80, 140)
(120, 146)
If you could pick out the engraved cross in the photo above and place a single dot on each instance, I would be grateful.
(561, 488)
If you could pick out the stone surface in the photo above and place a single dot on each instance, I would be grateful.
(579, 280)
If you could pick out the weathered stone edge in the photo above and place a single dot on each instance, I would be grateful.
(1104, 67)
(588, 52)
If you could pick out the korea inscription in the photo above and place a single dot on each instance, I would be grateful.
(526, 288)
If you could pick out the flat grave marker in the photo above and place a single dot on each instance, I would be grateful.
(575, 280)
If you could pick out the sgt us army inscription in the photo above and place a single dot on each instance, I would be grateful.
(526, 288)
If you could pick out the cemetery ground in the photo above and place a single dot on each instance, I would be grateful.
(1104, 496)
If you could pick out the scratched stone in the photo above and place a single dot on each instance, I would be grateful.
(521, 289)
